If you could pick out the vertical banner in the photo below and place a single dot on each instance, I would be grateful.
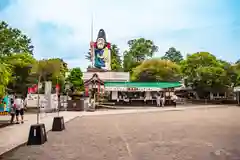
(57, 88)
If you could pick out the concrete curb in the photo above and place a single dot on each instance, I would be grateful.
(147, 110)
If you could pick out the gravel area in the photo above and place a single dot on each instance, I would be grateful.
(206, 134)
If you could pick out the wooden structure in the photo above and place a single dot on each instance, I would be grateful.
(93, 84)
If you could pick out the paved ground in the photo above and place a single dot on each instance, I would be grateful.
(14, 135)
(206, 134)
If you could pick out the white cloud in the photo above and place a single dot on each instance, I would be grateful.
(122, 21)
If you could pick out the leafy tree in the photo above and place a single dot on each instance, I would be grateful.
(20, 65)
(88, 56)
(75, 78)
(49, 70)
(116, 62)
(173, 55)
(5, 73)
(13, 41)
(236, 68)
(205, 73)
(157, 70)
(139, 50)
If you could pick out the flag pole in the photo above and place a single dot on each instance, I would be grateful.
(58, 97)
(92, 47)
(38, 97)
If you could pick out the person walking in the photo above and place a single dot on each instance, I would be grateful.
(19, 104)
(174, 99)
(162, 100)
(12, 110)
(158, 99)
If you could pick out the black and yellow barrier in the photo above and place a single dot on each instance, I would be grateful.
(4, 113)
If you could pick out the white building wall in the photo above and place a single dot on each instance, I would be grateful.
(108, 76)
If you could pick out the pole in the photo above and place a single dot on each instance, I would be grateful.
(92, 47)
(58, 98)
(38, 112)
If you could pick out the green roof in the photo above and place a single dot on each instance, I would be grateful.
(143, 84)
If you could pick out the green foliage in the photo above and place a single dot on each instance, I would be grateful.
(50, 69)
(75, 78)
(13, 41)
(116, 62)
(236, 68)
(156, 70)
(5, 77)
(21, 68)
(88, 56)
(238, 61)
(173, 55)
(203, 71)
(53, 69)
(139, 50)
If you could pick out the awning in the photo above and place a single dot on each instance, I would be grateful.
(140, 86)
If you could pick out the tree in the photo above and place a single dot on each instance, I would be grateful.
(75, 78)
(236, 68)
(5, 73)
(205, 73)
(173, 55)
(88, 56)
(49, 70)
(116, 62)
(139, 50)
(13, 41)
(20, 65)
(153, 70)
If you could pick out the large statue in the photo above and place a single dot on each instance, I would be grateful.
(101, 55)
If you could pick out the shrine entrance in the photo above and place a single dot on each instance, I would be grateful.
(94, 87)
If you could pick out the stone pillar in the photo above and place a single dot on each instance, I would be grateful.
(48, 90)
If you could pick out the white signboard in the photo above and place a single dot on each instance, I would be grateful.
(237, 89)
(132, 89)
(44, 103)
(108, 76)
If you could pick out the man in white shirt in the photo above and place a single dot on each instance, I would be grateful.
(162, 100)
(174, 99)
(19, 108)
(158, 100)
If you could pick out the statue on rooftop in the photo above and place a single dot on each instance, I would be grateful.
(101, 55)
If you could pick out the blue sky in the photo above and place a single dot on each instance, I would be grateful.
(60, 28)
